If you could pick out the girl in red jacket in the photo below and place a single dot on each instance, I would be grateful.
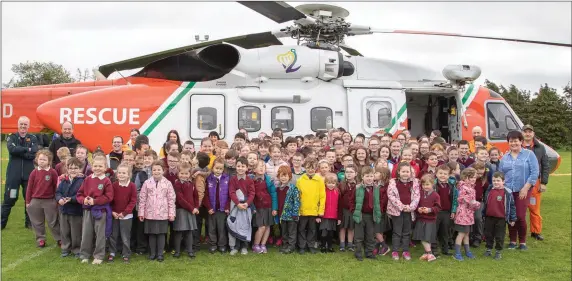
(330, 219)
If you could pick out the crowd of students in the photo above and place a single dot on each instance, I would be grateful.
(302, 194)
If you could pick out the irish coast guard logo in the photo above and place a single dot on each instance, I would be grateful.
(288, 60)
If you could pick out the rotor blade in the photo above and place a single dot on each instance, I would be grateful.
(277, 11)
(249, 41)
(350, 50)
(470, 36)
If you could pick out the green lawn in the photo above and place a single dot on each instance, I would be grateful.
(548, 260)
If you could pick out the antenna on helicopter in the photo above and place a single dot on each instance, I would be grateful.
(128, 83)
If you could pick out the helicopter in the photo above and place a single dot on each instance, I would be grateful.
(254, 82)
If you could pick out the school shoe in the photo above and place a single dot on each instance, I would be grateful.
(488, 252)
(342, 248)
(523, 247)
(313, 250)
(177, 255)
(301, 251)
(498, 255)
(212, 250)
(323, 250)
(192, 255)
(160, 258)
(431, 257)
(65, 254)
(77, 256)
(96, 261)
(537, 236)
(458, 256)
(222, 250)
(233, 252)
(476, 244)
(331, 250)
(395, 256)
(470, 255)
(42, 244)
(359, 257)
(152, 258)
(511, 246)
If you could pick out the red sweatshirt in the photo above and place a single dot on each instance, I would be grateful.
(246, 185)
(172, 177)
(98, 188)
(432, 201)
(367, 205)
(124, 198)
(262, 199)
(481, 185)
(383, 197)
(495, 203)
(42, 184)
(187, 196)
(345, 196)
(404, 190)
(281, 192)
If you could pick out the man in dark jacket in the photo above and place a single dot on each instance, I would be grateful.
(531, 143)
(22, 148)
(65, 140)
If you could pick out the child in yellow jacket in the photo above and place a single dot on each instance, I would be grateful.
(312, 205)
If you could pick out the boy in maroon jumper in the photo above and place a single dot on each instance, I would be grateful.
(464, 154)
(40, 198)
(245, 184)
(499, 209)
(96, 194)
(124, 200)
(430, 164)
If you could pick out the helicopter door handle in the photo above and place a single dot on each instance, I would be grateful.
(219, 129)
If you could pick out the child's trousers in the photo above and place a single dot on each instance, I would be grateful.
(477, 228)
(178, 238)
(121, 228)
(495, 231)
(289, 232)
(70, 231)
(401, 232)
(156, 244)
(92, 230)
(444, 225)
(217, 229)
(40, 211)
(364, 232)
(307, 232)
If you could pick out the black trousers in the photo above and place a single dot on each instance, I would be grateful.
(187, 236)
(444, 225)
(401, 232)
(364, 232)
(11, 194)
(139, 240)
(203, 215)
(217, 230)
(307, 232)
(495, 231)
(289, 231)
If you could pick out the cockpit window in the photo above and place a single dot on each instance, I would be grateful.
(499, 121)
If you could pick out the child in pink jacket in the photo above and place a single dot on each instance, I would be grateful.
(464, 217)
(156, 206)
(330, 219)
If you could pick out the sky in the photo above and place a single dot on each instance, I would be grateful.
(88, 34)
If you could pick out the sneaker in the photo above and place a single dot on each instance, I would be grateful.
(212, 250)
(431, 257)
(395, 256)
(65, 254)
(96, 261)
(233, 252)
(406, 256)
(411, 244)
(470, 255)
(537, 236)
(488, 252)
(84, 261)
(458, 257)
(42, 244)
(110, 258)
(263, 248)
(270, 240)
(222, 250)
(511, 246)
(257, 249)
(497, 255)
(375, 251)
(384, 250)
(423, 257)
(125, 260)
(351, 248)
(342, 248)
(192, 255)
(244, 251)
(523, 247)
(279, 242)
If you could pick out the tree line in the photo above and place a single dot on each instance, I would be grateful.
(549, 112)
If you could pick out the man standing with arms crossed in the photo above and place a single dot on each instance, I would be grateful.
(22, 148)
(531, 143)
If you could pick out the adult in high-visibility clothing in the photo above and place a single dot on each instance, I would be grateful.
(477, 132)
(531, 143)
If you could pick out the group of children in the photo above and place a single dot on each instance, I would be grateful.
(296, 193)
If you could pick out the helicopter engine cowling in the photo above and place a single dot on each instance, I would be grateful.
(288, 62)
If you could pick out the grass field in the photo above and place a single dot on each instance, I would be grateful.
(548, 260)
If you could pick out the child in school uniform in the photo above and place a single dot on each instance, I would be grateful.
(199, 175)
(403, 198)
(266, 203)
(40, 195)
(63, 154)
(312, 199)
(481, 184)
(70, 209)
(330, 219)
(187, 204)
(230, 163)
(427, 210)
(81, 154)
(465, 217)
(156, 209)
(288, 209)
(124, 200)
(382, 176)
(141, 239)
(407, 156)
(366, 211)
(242, 192)
(96, 194)
(217, 202)
(498, 211)
(448, 193)
(347, 191)
(297, 169)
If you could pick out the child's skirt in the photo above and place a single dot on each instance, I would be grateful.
(384, 225)
(328, 225)
(462, 228)
(184, 221)
(347, 220)
(263, 217)
(156, 226)
(425, 231)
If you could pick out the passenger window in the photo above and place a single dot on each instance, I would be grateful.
(321, 119)
(499, 121)
(283, 118)
(249, 118)
(378, 114)
(206, 118)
